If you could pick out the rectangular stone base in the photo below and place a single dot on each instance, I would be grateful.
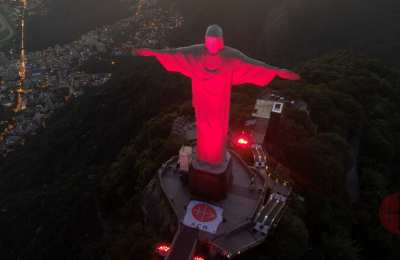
(210, 182)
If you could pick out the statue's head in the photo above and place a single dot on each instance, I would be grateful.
(214, 41)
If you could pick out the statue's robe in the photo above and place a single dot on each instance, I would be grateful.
(212, 78)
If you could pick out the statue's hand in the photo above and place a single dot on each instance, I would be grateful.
(142, 52)
(287, 74)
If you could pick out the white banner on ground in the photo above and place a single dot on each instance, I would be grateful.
(203, 216)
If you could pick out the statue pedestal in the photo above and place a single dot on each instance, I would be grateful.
(210, 182)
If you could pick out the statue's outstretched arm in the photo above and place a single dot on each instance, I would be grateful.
(248, 70)
(145, 52)
(287, 74)
(173, 60)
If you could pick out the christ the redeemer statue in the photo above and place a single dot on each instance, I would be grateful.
(214, 68)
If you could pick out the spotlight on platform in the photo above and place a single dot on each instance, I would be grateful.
(198, 257)
(162, 249)
(242, 140)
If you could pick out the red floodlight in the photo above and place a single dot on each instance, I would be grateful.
(198, 257)
(163, 249)
(242, 140)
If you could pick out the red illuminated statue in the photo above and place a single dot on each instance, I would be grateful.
(214, 68)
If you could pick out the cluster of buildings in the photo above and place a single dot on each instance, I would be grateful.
(55, 75)
(148, 27)
(154, 30)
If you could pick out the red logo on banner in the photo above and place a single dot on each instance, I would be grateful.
(389, 213)
(203, 213)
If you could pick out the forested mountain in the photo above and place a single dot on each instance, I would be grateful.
(354, 112)
(74, 190)
(48, 189)
(80, 180)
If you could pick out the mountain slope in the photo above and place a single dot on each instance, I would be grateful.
(48, 197)
(73, 191)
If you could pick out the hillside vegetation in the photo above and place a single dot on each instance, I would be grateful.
(49, 197)
(74, 190)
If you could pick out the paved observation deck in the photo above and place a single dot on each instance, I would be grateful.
(243, 200)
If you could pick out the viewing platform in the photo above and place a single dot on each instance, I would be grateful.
(241, 208)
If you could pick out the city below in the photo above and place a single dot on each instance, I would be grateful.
(35, 84)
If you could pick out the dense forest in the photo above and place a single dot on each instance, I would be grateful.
(51, 191)
(354, 117)
(80, 180)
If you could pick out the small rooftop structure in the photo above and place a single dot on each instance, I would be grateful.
(185, 158)
(263, 108)
(277, 107)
